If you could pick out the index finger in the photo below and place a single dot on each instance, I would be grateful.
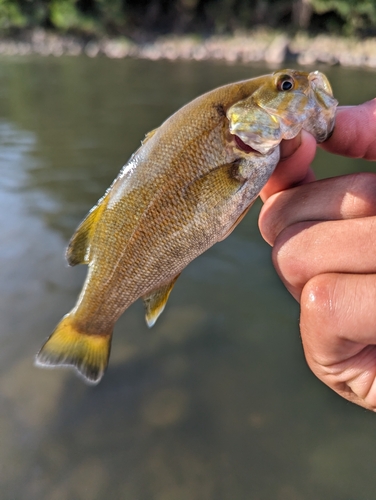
(354, 133)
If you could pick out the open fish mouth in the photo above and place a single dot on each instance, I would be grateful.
(244, 147)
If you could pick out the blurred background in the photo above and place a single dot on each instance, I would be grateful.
(216, 401)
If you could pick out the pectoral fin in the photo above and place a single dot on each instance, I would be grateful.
(79, 245)
(155, 302)
(238, 220)
(215, 187)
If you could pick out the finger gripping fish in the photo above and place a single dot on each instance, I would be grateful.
(186, 188)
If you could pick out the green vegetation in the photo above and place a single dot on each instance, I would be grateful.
(356, 16)
(140, 19)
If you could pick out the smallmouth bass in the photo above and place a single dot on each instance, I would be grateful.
(188, 185)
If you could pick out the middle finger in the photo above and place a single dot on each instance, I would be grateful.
(307, 249)
(345, 197)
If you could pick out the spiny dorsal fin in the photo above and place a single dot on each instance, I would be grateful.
(155, 302)
(79, 245)
(149, 135)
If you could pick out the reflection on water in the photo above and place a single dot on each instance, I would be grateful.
(215, 402)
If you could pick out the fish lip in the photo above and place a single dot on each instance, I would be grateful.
(329, 134)
(319, 79)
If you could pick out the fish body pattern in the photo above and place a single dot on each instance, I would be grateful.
(186, 188)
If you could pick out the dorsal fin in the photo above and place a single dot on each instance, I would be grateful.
(155, 301)
(78, 251)
(149, 135)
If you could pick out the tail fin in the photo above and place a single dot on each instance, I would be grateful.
(88, 354)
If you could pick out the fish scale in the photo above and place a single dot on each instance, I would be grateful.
(187, 186)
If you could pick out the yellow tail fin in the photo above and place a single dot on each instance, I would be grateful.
(88, 354)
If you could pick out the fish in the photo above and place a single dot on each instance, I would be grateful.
(187, 187)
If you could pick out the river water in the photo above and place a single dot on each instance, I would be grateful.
(216, 402)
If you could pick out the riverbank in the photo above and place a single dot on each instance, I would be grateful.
(257, 46)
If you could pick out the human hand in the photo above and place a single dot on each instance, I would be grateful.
(323, 236)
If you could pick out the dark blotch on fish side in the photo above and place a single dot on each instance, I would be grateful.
(220, 110)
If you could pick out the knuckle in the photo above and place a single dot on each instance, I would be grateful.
(317, 298)
(325, 306)
(289, 254)
(269, 220)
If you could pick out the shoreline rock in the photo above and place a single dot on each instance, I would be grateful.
(257, 46)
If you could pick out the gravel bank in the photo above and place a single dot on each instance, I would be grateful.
(273, 48)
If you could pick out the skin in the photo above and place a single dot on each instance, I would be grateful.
(321, 233)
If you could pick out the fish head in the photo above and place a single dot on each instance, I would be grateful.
(283, 104)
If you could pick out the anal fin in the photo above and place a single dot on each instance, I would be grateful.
(155, 302)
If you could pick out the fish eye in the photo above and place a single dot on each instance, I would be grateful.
(285, 83)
